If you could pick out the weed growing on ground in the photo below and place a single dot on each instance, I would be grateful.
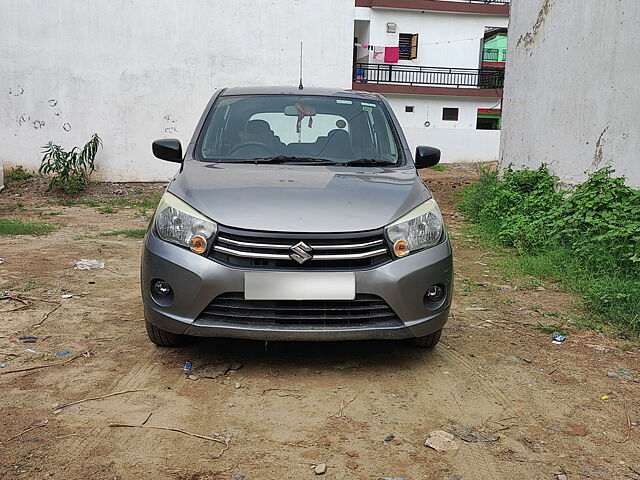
(19, 174)
(132, 233)
(107, 209)
(588, 239)
(15, 226)
(439, 167)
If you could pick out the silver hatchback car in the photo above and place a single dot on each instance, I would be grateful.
(297, 215)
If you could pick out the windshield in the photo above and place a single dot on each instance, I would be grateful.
(294, 128)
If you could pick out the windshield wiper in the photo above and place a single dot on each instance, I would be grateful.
(291, 159)
(367, 162)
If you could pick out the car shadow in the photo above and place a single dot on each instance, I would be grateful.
(306, 355)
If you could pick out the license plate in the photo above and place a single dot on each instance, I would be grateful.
(299, 286)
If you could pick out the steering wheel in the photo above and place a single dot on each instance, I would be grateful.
(252, 144)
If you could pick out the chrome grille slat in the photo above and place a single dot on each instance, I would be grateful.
(276, 250)
(279, 246)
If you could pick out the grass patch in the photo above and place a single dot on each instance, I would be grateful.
(19, 174)
(15, 226)
(587, 240)
(132, 233)
(439, 167)
(107, 209)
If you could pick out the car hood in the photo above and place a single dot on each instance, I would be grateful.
(299, 198)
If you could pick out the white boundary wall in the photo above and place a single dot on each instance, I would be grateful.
(135, 71)
(571, 96)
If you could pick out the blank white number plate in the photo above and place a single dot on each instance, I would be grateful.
(299, 286)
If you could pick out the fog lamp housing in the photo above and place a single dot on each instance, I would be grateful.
(161, 292)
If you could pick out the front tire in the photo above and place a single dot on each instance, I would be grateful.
(428, 341)
(162, 338)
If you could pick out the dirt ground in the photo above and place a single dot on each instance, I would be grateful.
(521, 406)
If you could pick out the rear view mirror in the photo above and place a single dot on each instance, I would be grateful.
(168, 149)
(427, 157)
(297, 109)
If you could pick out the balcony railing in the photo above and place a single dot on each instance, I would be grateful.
(434, 76)
(486, 2)
(494, 55)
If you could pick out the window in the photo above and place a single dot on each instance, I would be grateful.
(450, 114)
(408, 46)
(408, 108)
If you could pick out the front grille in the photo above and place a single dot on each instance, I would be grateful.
(364, 310)
(350, 251)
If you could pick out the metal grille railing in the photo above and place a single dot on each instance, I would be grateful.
(437, 76)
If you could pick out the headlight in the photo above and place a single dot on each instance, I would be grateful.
(420, 228)
(178, 223)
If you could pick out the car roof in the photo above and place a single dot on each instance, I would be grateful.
(307, 91)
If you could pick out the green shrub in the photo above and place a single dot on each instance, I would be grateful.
(588, 238)
(71, 169)
(18, 174)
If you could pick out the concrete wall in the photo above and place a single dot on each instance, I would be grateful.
(459, 141)
(571, 96)
(444, 39)
(135, 71)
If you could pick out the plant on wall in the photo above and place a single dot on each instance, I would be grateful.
(70, 169)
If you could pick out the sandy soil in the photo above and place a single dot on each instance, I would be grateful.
(363, 409)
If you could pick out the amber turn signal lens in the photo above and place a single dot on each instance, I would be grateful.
(401, 248)
(198, 244)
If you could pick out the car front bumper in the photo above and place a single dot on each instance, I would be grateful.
(197, 280)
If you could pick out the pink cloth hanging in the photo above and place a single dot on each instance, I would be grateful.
(391, 54)
(378, 54)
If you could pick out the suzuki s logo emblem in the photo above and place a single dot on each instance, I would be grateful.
(300, 252)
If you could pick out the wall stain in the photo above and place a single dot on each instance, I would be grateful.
(38, 124)
(598, 155)
(16, 92)
(53, 102)
(530, 38)
(66, 127)
(24, 118)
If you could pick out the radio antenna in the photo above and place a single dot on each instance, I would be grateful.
(300, 87)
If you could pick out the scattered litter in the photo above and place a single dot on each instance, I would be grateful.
(237, 385)
(485, 324)
(63, 353)
(187, 366)
(392, 478)
(87, 354)
(3, 364)
(557, 337)
(215, 370)
(476, 309)
(555, 342)
(1, 261)
(624, 372)
(30, 350)
(388, 438)
(441, 441)
(612, 374)
(528, 360)
(560, 476)
(467, 435)
(554, 428)
(67, 295)
(57, 411)
(237, 476)
(193, 377)
(28, 339)
(511, 358)
(604, 397)
(86, 264)
(320, 469)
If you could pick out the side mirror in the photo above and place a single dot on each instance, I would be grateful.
(168, 149)
(427, 157)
